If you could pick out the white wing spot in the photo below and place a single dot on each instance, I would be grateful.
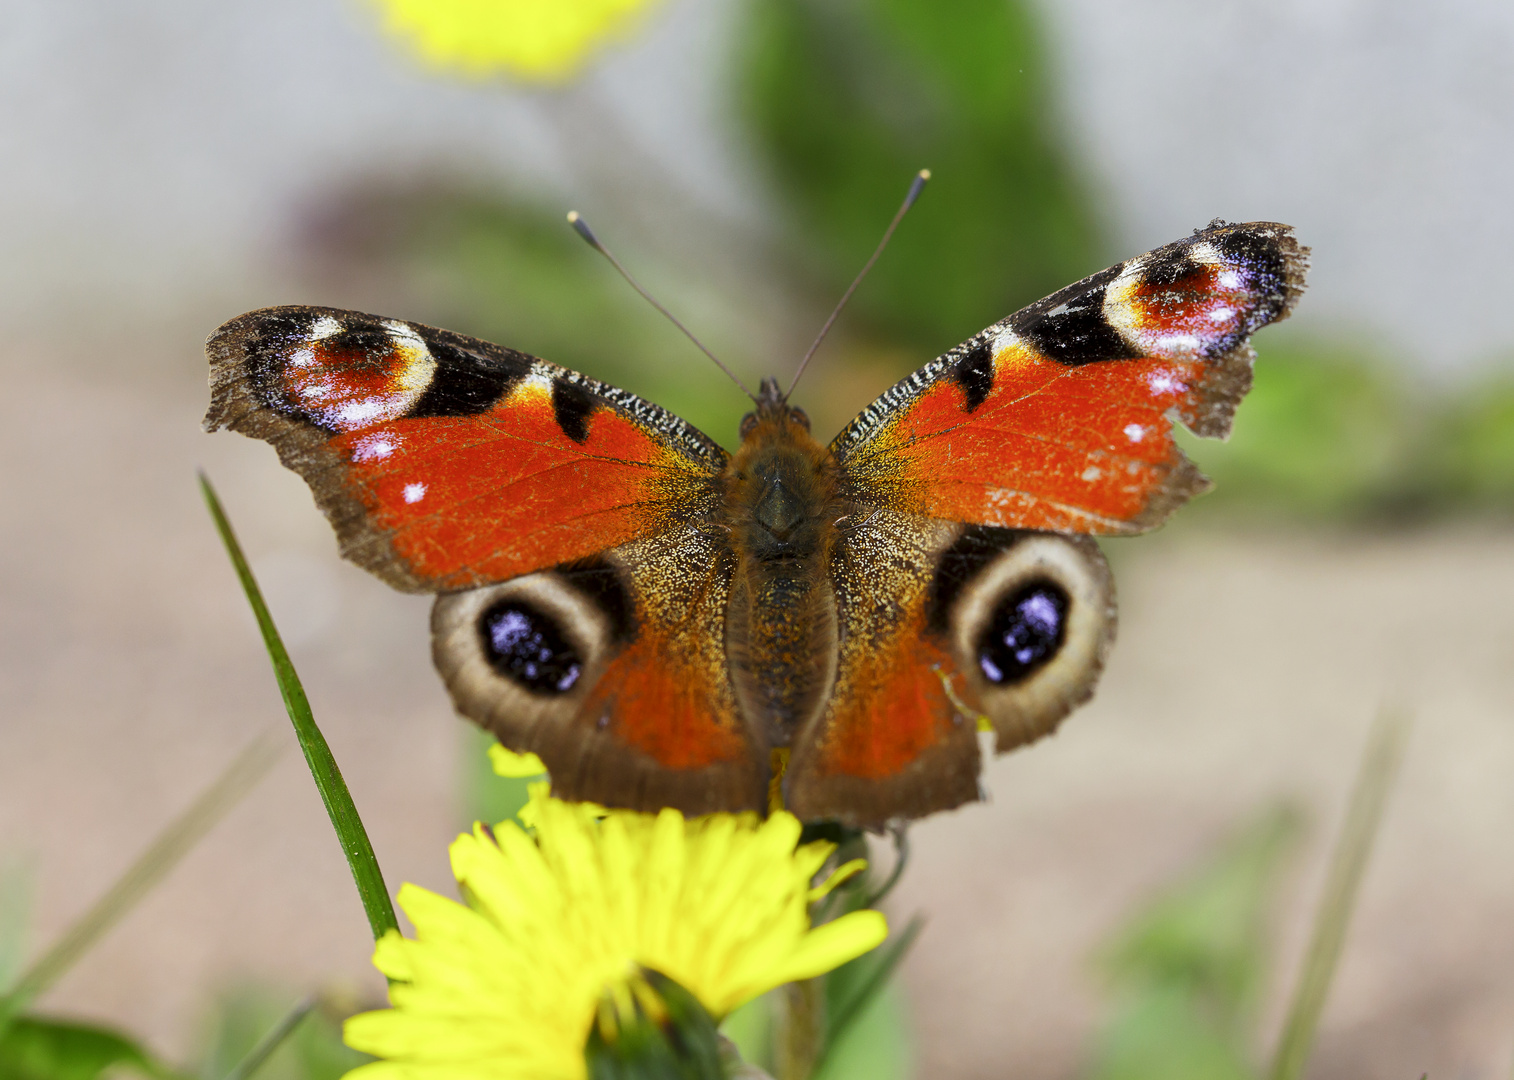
(1221, 314)
(375, 447)
(1006, 339)
(403, 336)
(1091, 474)
(356, 414)
(1229, 279)
(325, 327)
(1180, 344)
(1204, 252)
(1163, 381)
(414, 493)
(1135, 432)
(539, 380)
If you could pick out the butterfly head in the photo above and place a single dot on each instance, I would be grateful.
(772, 410)
(781, 483)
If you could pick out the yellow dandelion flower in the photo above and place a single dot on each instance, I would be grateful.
(508, 763)
(534, 40)
(508, 985)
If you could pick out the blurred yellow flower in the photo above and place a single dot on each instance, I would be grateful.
(508, 985)
(534, 40)
(515, 766)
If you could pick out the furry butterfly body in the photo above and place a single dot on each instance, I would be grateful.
(667, 624)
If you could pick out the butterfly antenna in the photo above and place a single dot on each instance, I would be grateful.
(915, 187)
(581, 227)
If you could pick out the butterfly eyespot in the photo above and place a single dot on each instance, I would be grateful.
(748, 424)
(1025, 632)
(526, 645)
(1029, 617)
(799, 416)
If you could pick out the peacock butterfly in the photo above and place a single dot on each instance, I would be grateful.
(667, 624)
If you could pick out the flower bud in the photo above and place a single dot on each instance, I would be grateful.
(648, 1027)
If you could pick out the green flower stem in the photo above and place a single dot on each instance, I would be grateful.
(323, 767)
(161, 856)
(1379, 768)
(801, 1029)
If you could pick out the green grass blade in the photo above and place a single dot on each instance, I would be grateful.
(1374, 780)
(15, 916)
(323, 767)
(161, 856)
(271, 1041)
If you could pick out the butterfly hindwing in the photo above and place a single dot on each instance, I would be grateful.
(1057, 417)
(887, 742)
(614, 670)
(946, 629)
(446, 462)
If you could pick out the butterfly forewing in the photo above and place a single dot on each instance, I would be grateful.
(568, 525)
(445, 462)
(1057, 417)
(963, 600)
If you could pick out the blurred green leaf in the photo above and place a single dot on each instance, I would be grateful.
(515, 273)
(1324, 432)
(244, 1016)
(846, 99)
(875, 1045)
(1164, 1034)
(36, 1049)
(1207, 937)
(323, 767)
(851, 989)
(751, 1028)
(1466, 458)
(1188, 967)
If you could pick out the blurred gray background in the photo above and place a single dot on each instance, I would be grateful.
(162, 153)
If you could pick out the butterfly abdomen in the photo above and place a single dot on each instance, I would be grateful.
(781, 506)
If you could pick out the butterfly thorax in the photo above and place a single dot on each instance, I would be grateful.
(781, 507)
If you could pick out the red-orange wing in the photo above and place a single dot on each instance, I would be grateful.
(889, 743)
(445, 462)
(1058, 417)
(614, 670)
(569, 525)
(959, 604)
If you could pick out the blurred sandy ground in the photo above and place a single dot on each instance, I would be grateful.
(1247, 671)
(150, 203)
